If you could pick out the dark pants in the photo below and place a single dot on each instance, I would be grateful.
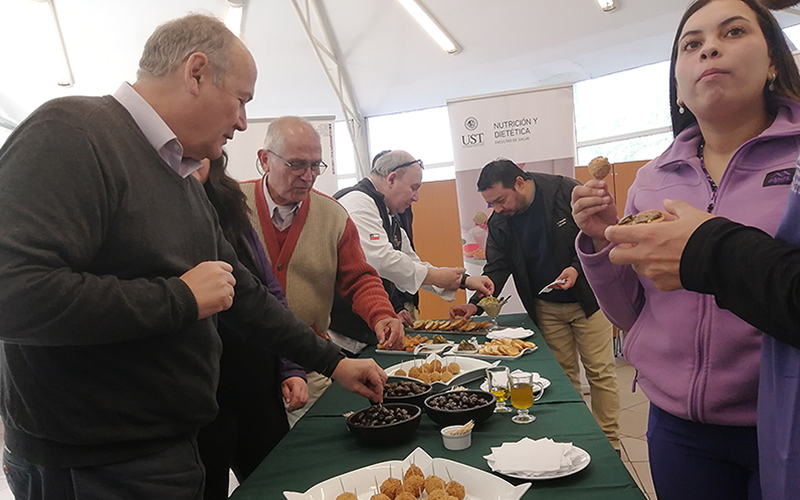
(175, 473)
(696, 461)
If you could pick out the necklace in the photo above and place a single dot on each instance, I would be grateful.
(711, 182)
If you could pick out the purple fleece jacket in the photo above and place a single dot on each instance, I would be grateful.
(695, 360)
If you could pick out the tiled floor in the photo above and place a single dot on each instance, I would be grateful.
(633, 425)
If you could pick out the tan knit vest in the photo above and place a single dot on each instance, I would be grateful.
(308, 272)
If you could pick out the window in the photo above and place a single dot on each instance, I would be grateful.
(623, 116)
(424, 133)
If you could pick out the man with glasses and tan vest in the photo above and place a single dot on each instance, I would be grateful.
(310, 241)
(375, 204)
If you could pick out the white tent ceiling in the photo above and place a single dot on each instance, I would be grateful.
(392, 64)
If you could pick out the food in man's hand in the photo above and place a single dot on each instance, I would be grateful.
(599, 168)
(647, 217)
(505, 347)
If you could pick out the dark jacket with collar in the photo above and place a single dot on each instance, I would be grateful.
(504, 255)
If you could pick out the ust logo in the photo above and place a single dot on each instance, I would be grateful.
(474, 139)
(470, 140)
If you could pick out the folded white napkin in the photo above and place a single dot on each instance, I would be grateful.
(532, 458)
(510, 333)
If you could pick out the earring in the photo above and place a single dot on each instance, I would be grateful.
(681, 109)
(771, 86)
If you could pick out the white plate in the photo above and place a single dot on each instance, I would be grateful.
(579, 457)
(545, 384)
(471, 368)
(510, 333)
(479, 485)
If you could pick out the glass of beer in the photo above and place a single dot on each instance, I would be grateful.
(497, 378)
(522, 388)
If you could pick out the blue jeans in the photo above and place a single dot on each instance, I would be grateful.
(175, 473)
(696, 461)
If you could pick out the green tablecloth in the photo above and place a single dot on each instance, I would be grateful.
(320, 447)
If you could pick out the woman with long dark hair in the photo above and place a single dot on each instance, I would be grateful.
(253, 384)
(734, 92)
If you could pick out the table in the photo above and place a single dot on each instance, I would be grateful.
(320, 446)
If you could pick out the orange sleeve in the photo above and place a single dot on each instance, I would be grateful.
(359, 282)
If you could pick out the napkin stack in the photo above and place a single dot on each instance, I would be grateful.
(510, 333)
(528, 458)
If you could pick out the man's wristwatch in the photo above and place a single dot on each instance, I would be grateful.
(464, 277)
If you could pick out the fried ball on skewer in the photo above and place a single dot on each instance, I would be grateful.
(347, 496)
(454, 368)
(415, 484)
(413, 470)
(401, 373)
(391, 487)
(379, 496)
(454, 488)
(438, 495)
(405, 496)
(447, 377)
(433, 483)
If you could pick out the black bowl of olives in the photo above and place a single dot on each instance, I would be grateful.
(385, 424)
(405, 390)
(459, 407)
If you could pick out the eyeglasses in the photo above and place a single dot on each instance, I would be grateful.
(299, 168)
(407, 164)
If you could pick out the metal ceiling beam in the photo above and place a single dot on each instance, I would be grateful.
(316, 24)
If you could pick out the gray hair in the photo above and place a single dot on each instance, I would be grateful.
(174, 41)
(386, 162)
(276, 132)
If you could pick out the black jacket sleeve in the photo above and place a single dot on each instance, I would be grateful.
(750, 273)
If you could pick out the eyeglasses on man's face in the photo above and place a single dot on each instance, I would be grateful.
(299, 168)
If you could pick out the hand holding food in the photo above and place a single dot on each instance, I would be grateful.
(646, 217)
(593, 210)
(655, 251)
(361, 376)
(599, 168)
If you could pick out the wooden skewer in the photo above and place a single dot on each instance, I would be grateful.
(465, 429)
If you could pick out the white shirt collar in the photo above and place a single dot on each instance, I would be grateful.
(287, 212)
(156, 130)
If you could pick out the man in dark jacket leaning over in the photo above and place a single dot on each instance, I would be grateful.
(532, 236)
(114, 268)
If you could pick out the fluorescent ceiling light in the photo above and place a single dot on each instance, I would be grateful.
(430, 25)
(233, 19)
(607, 5)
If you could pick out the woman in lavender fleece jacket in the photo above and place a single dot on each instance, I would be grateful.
(734, 91)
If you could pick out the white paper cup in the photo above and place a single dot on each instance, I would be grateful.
(458, 441)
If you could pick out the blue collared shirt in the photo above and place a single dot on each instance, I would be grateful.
(156, 130)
